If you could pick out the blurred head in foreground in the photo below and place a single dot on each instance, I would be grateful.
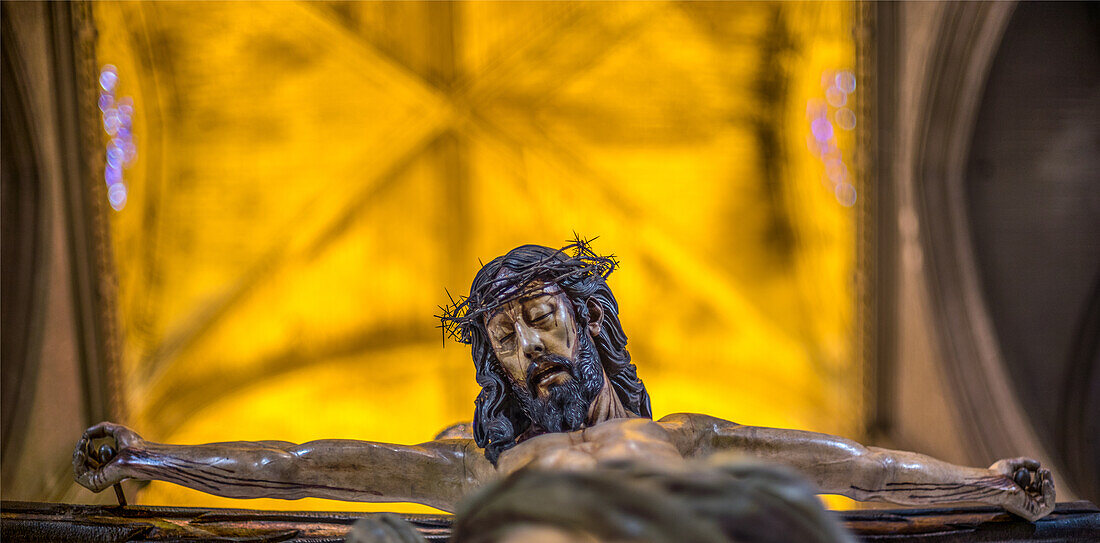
(734, 500)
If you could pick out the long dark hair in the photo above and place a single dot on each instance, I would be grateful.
(499, 420)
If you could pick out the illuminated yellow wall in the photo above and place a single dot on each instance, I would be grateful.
(310, 177)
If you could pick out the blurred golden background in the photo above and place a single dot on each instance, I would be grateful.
(237, 220)
(310, 177)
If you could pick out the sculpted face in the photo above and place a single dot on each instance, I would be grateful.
(552, 366)
(523, 331)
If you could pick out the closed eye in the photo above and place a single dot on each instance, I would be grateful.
(506, 338)
(540, 317)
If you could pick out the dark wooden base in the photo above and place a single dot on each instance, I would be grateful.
(1070, 521)
(30, 521)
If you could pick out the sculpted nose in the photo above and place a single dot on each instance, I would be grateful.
(529, 341)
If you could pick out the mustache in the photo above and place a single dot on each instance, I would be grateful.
(545, 365)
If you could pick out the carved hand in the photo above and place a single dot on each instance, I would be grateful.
(1030, 491)
(97, 467)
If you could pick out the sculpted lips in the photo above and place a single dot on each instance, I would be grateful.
(545, 367)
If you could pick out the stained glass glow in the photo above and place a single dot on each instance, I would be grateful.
(118, 123)
(839, 86)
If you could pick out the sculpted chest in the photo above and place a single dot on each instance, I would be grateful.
(638, 440)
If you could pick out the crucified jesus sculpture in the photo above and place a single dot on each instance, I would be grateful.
(558, 392)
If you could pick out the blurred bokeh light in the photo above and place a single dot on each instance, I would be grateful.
(313, 175)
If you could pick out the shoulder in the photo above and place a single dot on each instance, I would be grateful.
(696, 420)
(689, 430)
(476, 469)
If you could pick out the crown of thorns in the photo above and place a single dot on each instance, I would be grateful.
(570, 264)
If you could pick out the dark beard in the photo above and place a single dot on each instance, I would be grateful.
(564, 408)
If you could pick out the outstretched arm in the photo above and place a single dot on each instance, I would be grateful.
(437, 473)
(841, 466)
